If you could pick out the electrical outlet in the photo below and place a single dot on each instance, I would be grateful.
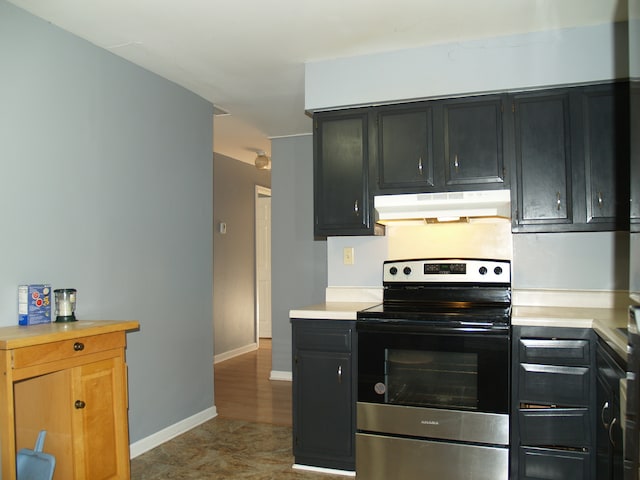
(347, 256)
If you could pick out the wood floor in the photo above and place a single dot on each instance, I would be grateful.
(243, 390)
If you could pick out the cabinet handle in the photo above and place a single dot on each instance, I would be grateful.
(610, 431)
(79, 404)
(340, 374)
(600, 200)
(78, 346)
(356, 208)
(456, 164)
(558, 202)
(604, 407)
(420, 166)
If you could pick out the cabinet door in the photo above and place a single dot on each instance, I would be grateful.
(341, 164)
(323, 420)
(405, 149)
(605, 135)
(101, 439)
(473, 142)
(543, 159)
(634, 115)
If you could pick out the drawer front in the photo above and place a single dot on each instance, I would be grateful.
(554, 385)
(568, 427)
(55, 351)
(555, 352)
(548, 464)
(325, 339)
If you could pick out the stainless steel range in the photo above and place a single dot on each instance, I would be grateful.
(433, 372)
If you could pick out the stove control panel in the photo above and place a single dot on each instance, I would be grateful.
(447, 271)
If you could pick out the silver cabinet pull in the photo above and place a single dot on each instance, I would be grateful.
(456, 164)
(610, 431)
(600, 200)
(604, 407)
(420, 166)
(340, 374)
(558, 202)
(356, 208)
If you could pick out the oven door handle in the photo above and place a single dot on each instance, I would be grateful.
(459, 327)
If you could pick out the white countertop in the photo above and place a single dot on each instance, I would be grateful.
(605, 321)
(331, 310)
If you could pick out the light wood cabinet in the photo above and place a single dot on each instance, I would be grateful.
(71, 380)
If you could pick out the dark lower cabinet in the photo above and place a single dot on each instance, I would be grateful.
(609, 435)
(552, 409)
(324, 393)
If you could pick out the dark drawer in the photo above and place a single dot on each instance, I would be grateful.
(555, 352)
(548, 464)
(569, 427)
(554, 385)
(325, 339)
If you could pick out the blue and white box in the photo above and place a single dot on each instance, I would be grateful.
(34, 304)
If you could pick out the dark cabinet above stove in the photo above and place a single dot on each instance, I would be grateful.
(563, 153)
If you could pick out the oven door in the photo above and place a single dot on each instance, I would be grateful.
(434, 366)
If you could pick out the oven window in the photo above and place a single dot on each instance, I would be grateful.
(431, 378)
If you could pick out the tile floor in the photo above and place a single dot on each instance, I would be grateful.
(225, 449)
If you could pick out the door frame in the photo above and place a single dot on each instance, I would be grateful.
(260, 191)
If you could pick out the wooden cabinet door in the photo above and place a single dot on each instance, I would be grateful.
(473, 142)
(101, 439)
(323, 419)
(405, 149)
(543, 159)
(605, 136)
(341, 174)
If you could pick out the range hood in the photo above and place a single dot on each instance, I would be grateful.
(443, 206)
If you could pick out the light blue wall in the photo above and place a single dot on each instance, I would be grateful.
(106, 186)
(299, 263)
(577, 55)
(516, 62)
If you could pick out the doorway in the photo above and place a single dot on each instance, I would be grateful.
(263, 262)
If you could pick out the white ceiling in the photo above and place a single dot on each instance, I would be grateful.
(247, 56)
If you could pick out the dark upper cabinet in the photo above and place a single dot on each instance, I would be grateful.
(439, 145)
(571, 155)
(473, 142)
(405, 148)
(341, 174)
(605, 139)
(634, 155)
(563, 152)
(542, 140)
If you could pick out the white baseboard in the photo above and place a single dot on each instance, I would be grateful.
(172, 431)
(309, 468)
(280, 375)
(234, 353)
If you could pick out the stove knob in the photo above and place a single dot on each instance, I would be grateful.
(406, 270)
(497, 270)
(483, 270)
(393, 270)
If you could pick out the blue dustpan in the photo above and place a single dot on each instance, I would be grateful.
(35, 465)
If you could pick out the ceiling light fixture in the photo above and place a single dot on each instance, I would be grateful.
(262, 162)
